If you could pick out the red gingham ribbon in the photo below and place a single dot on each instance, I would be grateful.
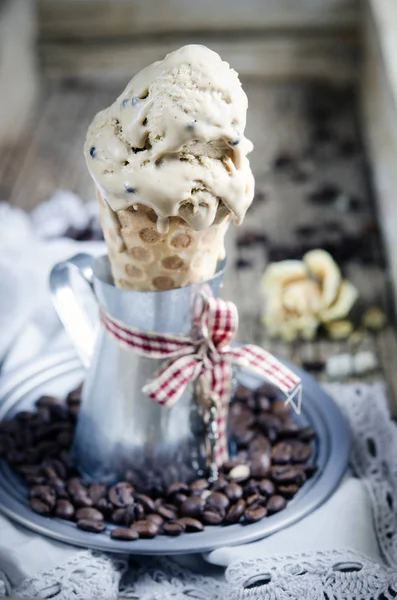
(205, 355)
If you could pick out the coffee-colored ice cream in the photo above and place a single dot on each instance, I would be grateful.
(170, 153)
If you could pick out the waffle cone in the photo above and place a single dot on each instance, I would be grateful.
(141, 258)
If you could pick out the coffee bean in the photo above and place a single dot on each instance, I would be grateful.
(220, 484)
(251, 403)
(240, 473)
(286, 475)
(235, 512)
(301, 452)
(64, 509)
(92, 514)
(242, 393)
(137, 510)
(211, 517)
(97, 491)
(121, 494)
(40, 507)
(156, 519)
(82, 499)
(158, 502)
(155, 489)
(289, 429)
(288, 491)
(269, 424)
(58, 466)
(229, 464)
(74, 486)
(199, 485)
(192, 507)
(122, 533)
(59, 486)
(91, 525)
(254, 513)
(55, 428)
(262, 403)
(307, 434)
(253, 499)
(46, 401)
(259, 464)
(105, 507)
(233, 491)
(50, 473)
(59, 412)
(74, 396)
(127, 515)
(261, 444)
(179, 499)
(217, 501)
(205, 493)
(134, 478)
(266, 487)
(191, 525)
(45, 493)
(173, 528)
(146, 529)
(251, 487)
(168, 513)
(146, 502)
(47, 449)
(118, 516)
(243, 436)
(275, 504)
(281, 453)
(280, 408)
(243, 418)
(236, 409)
(64, 439)
(178, 487)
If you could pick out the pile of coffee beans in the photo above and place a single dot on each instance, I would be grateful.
(273, 459)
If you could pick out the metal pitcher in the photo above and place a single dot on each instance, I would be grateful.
(119, 428)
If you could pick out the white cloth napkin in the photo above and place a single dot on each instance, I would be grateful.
(33, 565)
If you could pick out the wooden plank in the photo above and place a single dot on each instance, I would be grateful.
(85, 19)
(325, 56)
(379, 108)
(381, 23)
(18, 73)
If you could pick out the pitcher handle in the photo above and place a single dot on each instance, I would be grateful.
(70, 311)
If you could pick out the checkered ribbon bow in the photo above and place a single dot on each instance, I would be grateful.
(205, 356)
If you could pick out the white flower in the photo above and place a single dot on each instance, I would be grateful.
(301, 295)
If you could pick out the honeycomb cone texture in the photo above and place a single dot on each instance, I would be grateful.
(141, 258)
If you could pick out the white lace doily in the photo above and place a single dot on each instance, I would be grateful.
(331, 575)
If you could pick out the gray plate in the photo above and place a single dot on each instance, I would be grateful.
(58, 374)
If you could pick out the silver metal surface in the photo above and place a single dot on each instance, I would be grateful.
(119, 427)
(68, 306)
(58, 374)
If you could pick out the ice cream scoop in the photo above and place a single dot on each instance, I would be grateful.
(174, 141)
